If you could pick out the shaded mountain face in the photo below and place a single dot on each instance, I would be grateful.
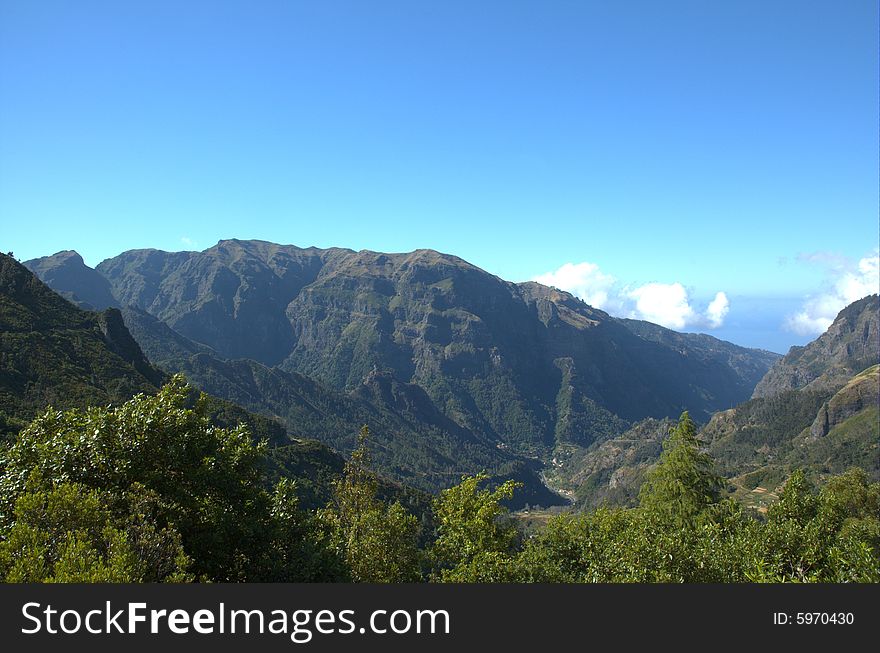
(850, 344)
(412, 441)
(748, 365)
(521, 366)
(52, 352)
(231, 297)
(68, 275)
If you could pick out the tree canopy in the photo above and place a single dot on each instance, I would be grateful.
(152, 490)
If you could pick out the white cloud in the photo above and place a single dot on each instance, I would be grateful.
(584, 280)
(804, 324)
(186, 240)
(845, 283)
(667, 304)
(865, 281)
(717, 310)
(829, 260)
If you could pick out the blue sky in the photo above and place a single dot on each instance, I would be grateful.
(702, 146)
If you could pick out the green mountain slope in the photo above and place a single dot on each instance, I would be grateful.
(610, 471)
(520, 365)
(52, 352)
(412, 441)
(823, 432)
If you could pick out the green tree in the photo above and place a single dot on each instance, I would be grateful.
(302, 550)
(851, 504)
(154, 455)
(684, 482)
(70, 534)
(583, 548)
(476, 538)
(829, 536)
(379, 542)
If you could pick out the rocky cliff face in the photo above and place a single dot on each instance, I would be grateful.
(521, 365)
(231, 297)
(860, 394)
(851, 344)
(120, 342)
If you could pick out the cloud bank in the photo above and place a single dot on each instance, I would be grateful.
(845, 283)
(666, 304)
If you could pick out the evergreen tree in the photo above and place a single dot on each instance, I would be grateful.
(684, 481)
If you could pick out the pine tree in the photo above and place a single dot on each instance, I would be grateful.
(684, 482)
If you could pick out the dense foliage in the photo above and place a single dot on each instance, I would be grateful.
(379, 542)
(683, 532)
(176, 493)
(153, 491)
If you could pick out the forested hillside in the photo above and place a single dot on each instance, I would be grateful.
(456, 370)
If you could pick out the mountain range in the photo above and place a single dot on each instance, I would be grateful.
(454, 369)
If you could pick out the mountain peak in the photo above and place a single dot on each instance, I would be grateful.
(69, 256)
(851, 344)
(67, 274)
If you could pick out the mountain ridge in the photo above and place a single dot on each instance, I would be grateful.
(442, 350)
(848, 346)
